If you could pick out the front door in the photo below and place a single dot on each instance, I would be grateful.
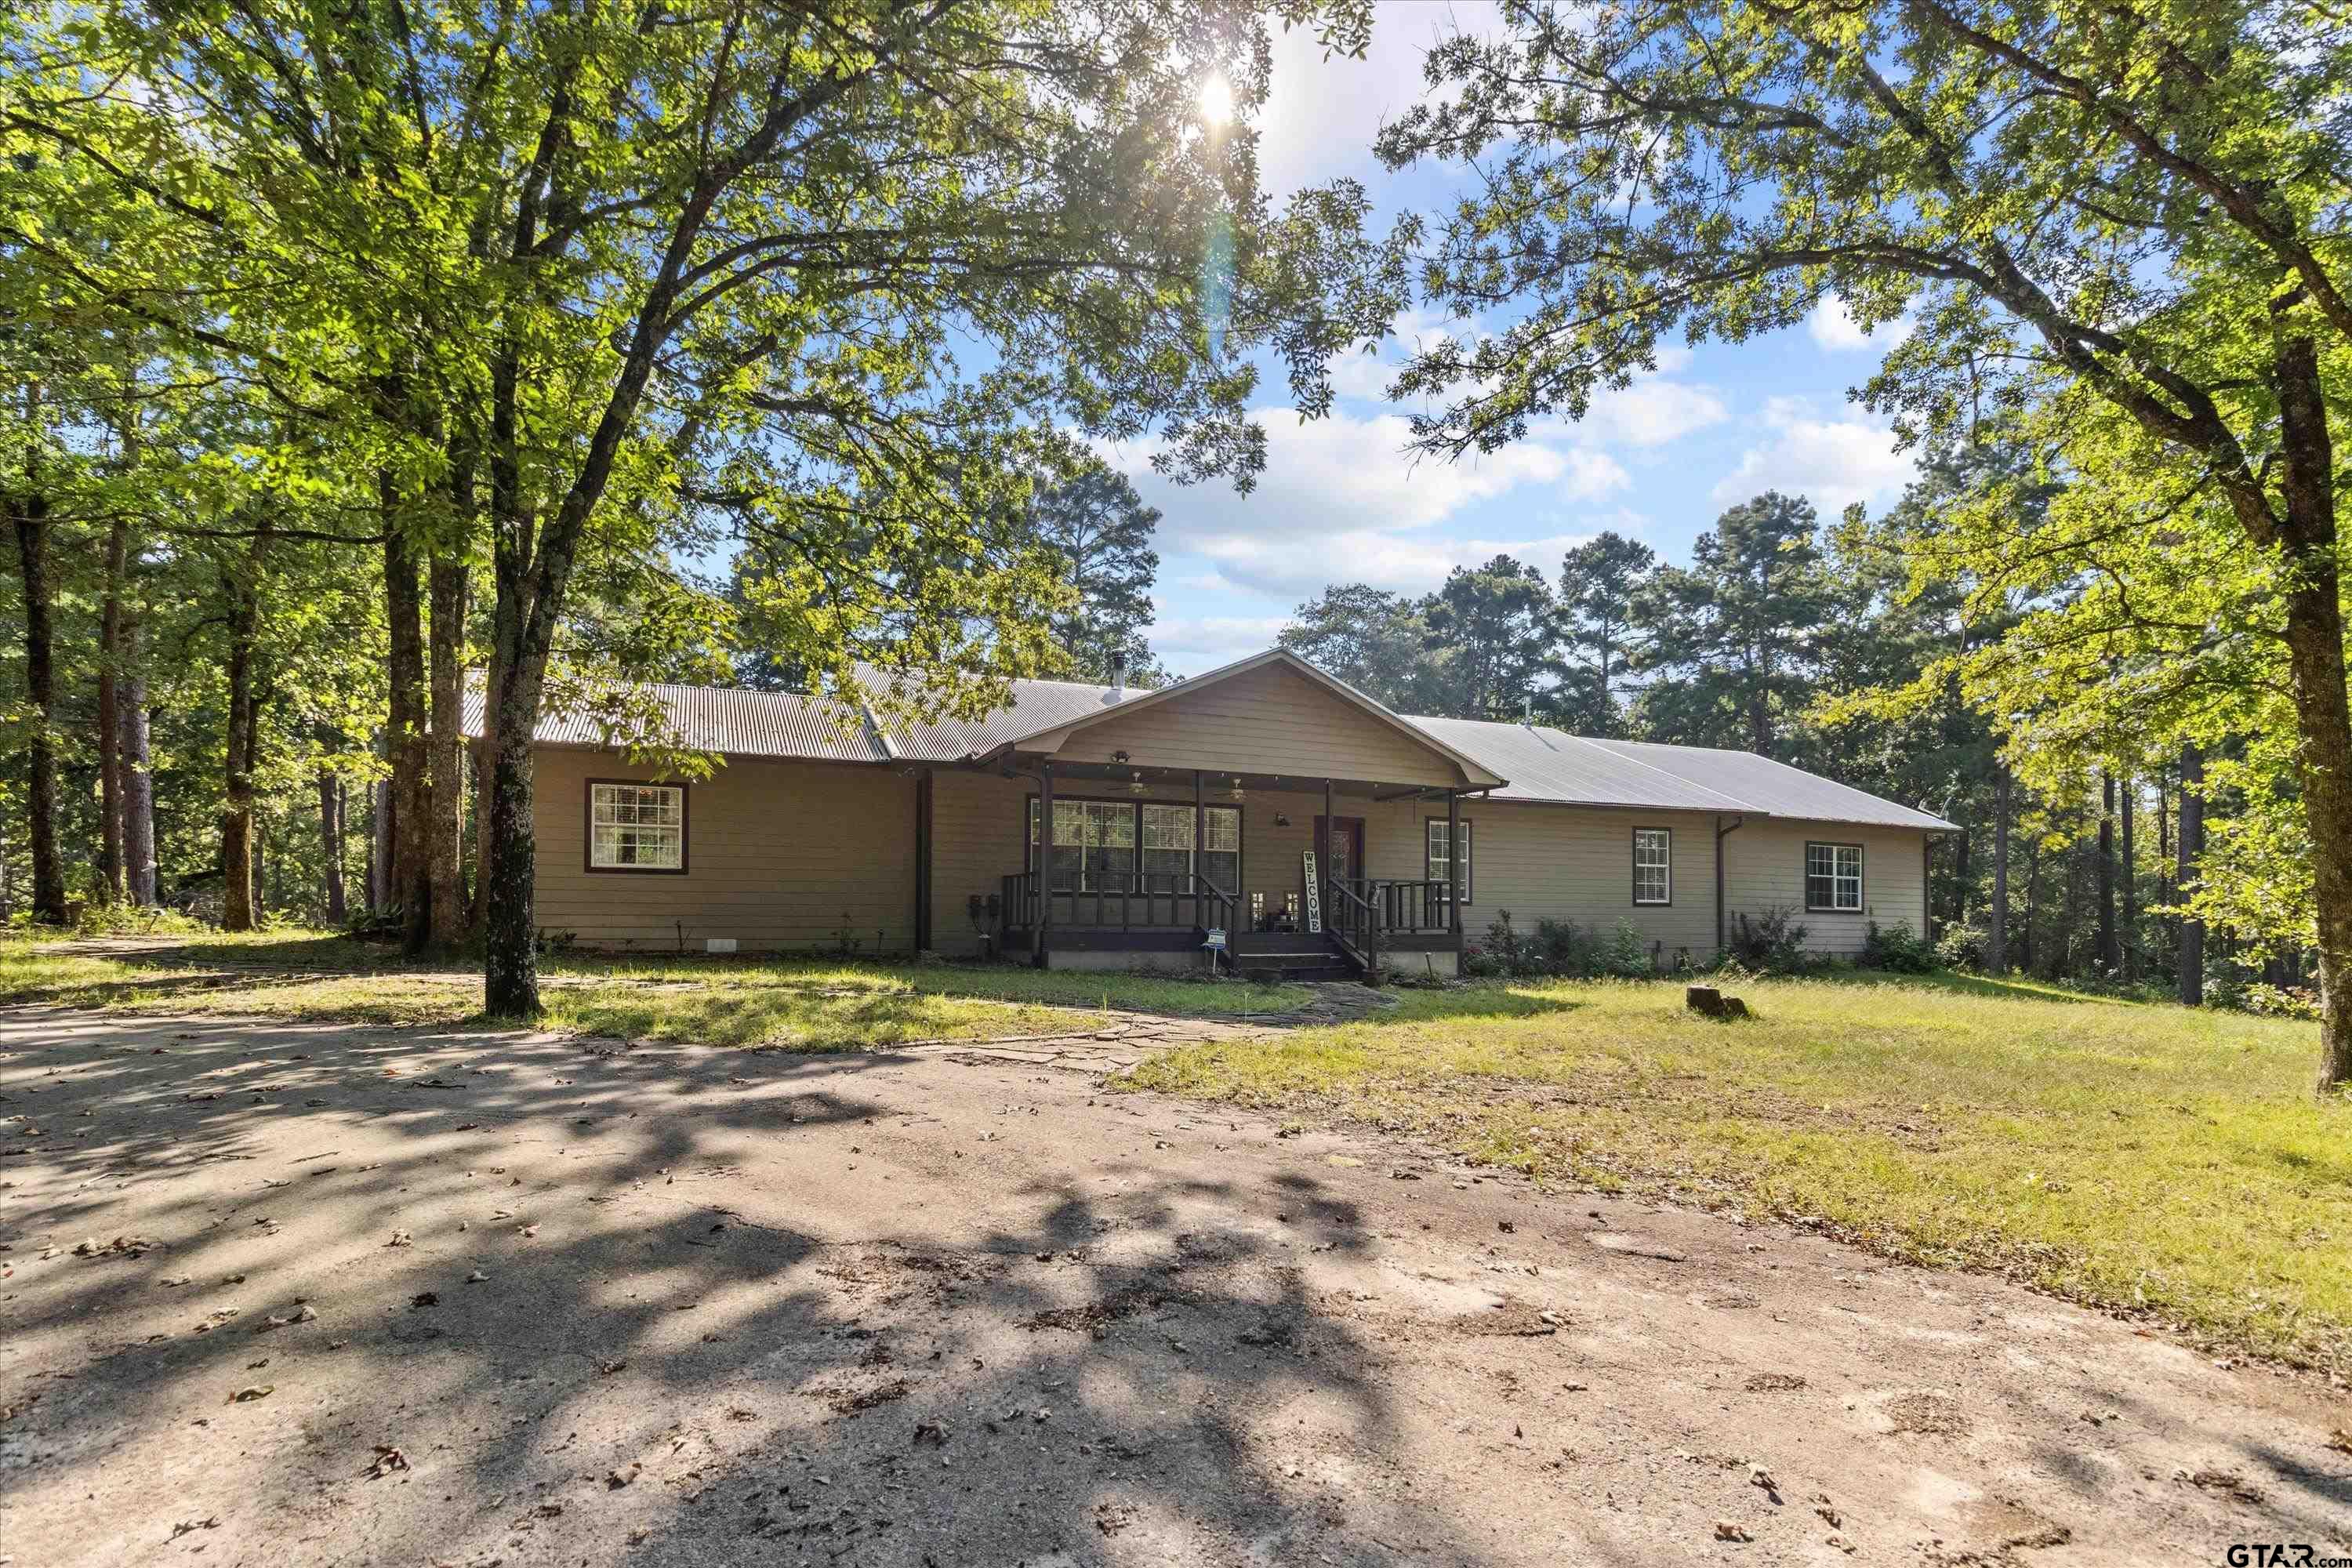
(1346, 856)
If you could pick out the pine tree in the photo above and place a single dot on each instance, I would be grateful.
(1597, 583)
(1497, 625)
(1735, 637)
(1102, 532)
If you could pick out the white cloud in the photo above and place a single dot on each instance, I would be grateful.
(1341, 501)
(1651, 412)
(1831, 462)
(1834, 329)
(1366, 375)
(1190, 643)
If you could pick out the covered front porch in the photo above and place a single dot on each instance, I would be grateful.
(1193, 826)
(1146, 863)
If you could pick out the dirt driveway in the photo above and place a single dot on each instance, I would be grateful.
(285, 1295)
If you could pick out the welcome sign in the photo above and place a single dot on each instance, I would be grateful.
(1314, 892)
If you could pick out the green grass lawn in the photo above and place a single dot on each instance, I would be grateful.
(807, 1004)
(2126, 1154)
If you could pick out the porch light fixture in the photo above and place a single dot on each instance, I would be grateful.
(1118, 756)
(1135, 782)
(1282, 819)
(1236, 792)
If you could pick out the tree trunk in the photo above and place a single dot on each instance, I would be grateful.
(2191, 838)
(1997, 928)
(2108, 964)
(2130, 938)
(138, 780)
(380, 834)
(410, 887)
(237, 798)
(511, 966)
(109, 717)
(483, 758)
(330, 844)
(446, 831)
(2312, 585)
(240, 857)
(41, 783)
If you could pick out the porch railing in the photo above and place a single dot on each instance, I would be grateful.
(1176, 900)
(1413, 906)
(1017, 906)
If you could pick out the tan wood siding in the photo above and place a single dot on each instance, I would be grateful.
(1764, 869)
(780, 855)
(1566, 863)
(1270, 721)
(976, 829)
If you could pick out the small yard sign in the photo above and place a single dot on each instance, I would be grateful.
(1314, 893)
(1216, 942)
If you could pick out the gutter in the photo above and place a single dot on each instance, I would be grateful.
(1722, 833)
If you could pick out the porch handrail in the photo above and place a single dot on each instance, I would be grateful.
(1354, 923)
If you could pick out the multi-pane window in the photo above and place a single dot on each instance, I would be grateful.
(636, 827)
(1094, 847)
(1115, 846)
(1654, 870)
(1168, 835)
(1439, 859)
(1221, 855)
(1833, 877)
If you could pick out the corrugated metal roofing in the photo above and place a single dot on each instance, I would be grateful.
(1036, 705)
(1774, 788)
(1559, 768)
(1543, 765)
(722, 718)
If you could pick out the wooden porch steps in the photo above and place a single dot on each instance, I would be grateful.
(1292, 955)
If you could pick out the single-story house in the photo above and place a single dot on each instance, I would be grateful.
(1310, 827)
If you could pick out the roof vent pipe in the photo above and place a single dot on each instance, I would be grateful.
(1119, 674)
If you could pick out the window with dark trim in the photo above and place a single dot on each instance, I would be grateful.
(1653, 865)
(1437, 855)
(1834, 878)
(635, 827)
(1130, 845)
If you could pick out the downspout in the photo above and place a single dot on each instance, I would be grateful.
(1721, 833)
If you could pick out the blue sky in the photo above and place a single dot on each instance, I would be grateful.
(1339, 501)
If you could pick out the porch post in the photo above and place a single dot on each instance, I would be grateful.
(1454, 864)
(1323, 841)
(1200, 842)
(1044, 858)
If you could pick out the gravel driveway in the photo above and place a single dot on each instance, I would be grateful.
(292, 1296)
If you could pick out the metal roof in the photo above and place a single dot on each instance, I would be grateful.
(1774, 788)
(1540, 764)
(1561, 769)
(724, 720)
(1036, 705)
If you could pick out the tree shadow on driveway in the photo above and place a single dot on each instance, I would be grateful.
(304, 1295)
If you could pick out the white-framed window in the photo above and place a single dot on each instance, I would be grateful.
(1653, 866)
(636, 827)
(1834, 878)
(1437, 858)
